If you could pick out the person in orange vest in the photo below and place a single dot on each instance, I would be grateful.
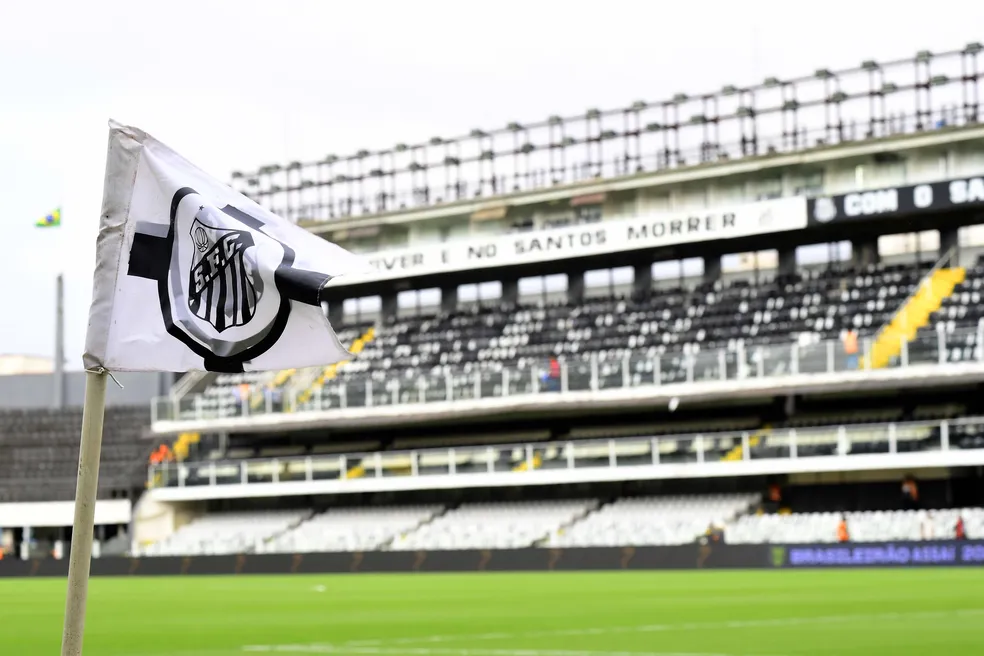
(851, 349)
(842, 534)
(910, 493)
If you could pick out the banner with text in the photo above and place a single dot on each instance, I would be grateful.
(645, 232)
(897, 201)
(882, 554)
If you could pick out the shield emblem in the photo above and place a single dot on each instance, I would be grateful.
(225, 284)
(222, 287)
(824, 210)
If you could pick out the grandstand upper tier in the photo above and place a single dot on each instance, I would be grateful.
(577, 255)
(825, 108)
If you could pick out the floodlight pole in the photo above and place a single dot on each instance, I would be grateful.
(85, 509)
(59, 369)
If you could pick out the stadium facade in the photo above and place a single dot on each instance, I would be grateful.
(744, 316)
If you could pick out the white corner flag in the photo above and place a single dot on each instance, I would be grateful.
(191, 275)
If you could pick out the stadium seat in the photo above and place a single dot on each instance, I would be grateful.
(483, 351)
(225, 533)
(494, 525)
(652, 521)
(867, 526)
(43, 445)
(351, 529)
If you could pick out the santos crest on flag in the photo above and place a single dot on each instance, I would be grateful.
(193, 275)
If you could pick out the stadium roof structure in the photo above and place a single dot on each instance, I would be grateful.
(871, 101)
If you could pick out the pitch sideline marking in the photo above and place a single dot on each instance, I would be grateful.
(423, 651)
(688, 626)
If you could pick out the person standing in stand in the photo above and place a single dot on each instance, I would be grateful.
(960, 531)
(850, 340)
(910, 493)
(842, 533)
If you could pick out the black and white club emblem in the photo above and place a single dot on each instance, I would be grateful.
(223, 289)
(224, 283)
(824, 210)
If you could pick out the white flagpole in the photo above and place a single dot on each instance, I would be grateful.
(85, 508)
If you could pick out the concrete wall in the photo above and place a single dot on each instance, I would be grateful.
(37, 390)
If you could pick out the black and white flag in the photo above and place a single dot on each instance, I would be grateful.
(193, 275)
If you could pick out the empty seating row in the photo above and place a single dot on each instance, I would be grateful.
(494, 525)
(488, 351)
(867, 526)
(653, 521)
(351, 529)
(39, 453)
(225, 533)
(633, 521)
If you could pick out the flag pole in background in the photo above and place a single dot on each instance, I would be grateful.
(59, 369)
(85, 510)
(53, 220)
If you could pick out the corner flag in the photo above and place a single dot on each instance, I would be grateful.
(192, 275)
(189, 275)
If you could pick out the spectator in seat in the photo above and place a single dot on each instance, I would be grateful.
(842, 533)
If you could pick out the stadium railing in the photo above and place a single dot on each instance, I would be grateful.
(589, 373)
(867, 446)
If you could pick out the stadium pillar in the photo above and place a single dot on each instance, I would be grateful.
(787, 261)
(59, 369)
(575, 287)
(949, 238)
(712, 268)
(510, 291)
(336, 315)
(865, 251)
(449, 299)
(642, 284)
(388, 306)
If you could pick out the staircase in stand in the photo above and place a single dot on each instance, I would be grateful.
(738, 451)
(914, 314)
(329, 372)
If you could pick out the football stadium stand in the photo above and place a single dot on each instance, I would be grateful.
(557, 419)
(633, 521)
(39, 453)
(494, 525)
(654, 521)
(670, 336)
(225, 533)
(867, 526)
(351, 529)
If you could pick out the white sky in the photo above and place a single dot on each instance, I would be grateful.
(234, 85)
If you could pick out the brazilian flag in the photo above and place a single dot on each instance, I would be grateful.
(51, 220)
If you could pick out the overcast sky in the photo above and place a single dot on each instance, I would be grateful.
(234, 85)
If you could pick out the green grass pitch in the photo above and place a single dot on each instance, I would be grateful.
(705, 613)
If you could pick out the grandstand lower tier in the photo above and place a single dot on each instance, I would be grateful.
(626, 522)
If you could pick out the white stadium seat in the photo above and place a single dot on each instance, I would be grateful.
(653, 521)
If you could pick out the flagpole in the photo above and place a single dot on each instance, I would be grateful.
(85, 507)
